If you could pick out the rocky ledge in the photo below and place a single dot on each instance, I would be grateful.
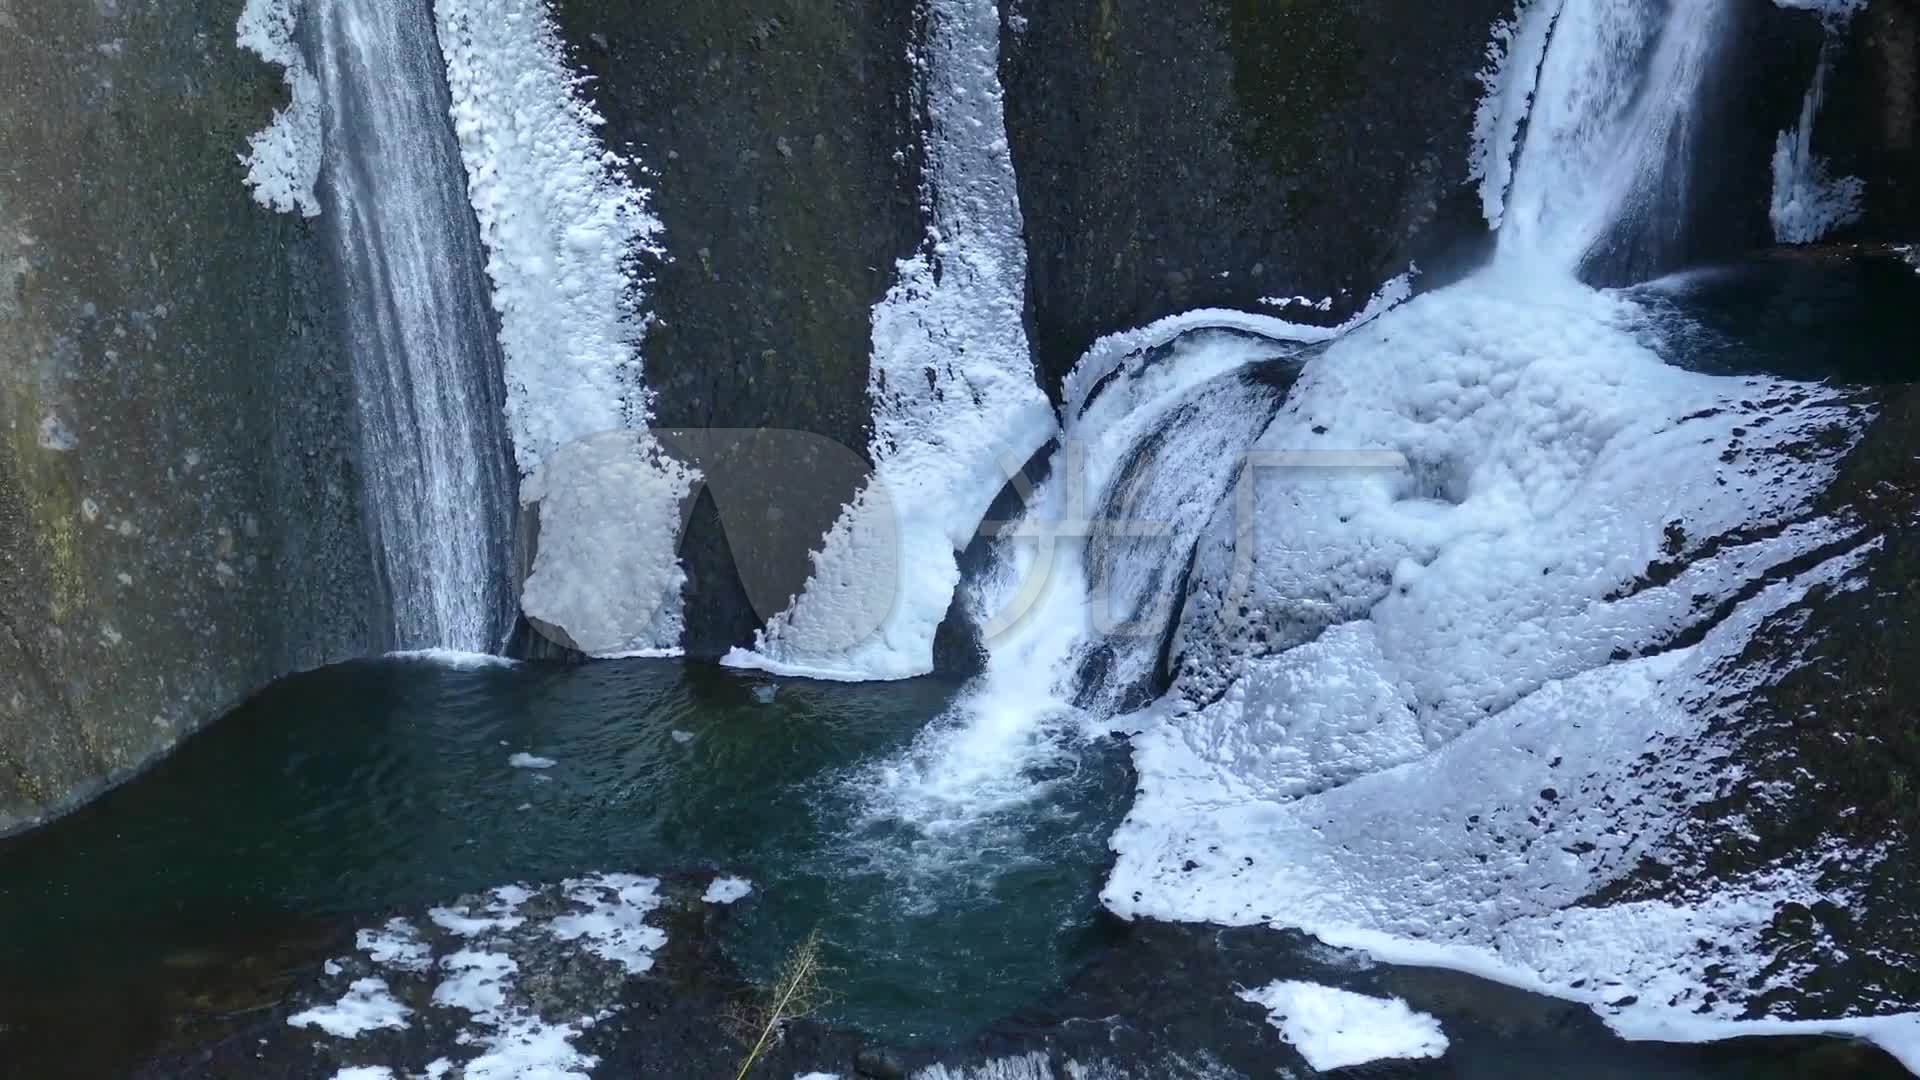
(618, 975)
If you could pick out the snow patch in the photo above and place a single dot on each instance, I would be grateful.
(498, 914)
(727, 890)
(283, 159)
(613, 926)
(956, 405)
(396, 945)
(367, 1006)
(1336, 1029)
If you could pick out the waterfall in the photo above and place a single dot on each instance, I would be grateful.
(1605, 162)
(426, 368)
(1403, 702)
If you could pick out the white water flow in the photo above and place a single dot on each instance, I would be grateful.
(426, 365)
(1606, 147)
(1085, 578)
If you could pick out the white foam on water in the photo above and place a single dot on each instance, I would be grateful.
(453, 659)
(1338, 1029)
(1808, 200)
(283, 159)
(1034, 1066)
(956, 403)
(727, 890)
(395, 945)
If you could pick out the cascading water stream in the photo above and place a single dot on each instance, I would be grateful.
(426, 363)
(1606, 159)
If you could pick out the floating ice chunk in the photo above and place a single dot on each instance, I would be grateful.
(529, 761)
(1336, 1029)
(367, 1006)
(726, 890)
(364, 1072)
(524, 1046)
(682, 737)
(1034, 1066)
(283, 159)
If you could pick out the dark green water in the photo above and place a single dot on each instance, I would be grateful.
(383, 784)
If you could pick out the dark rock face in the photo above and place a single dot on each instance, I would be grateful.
(1175, 156)
(179, 514)
(779, 144)
(1715, 207)
(1871, 126)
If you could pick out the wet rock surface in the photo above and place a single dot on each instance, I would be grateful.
(179, 513)
(1173, 157)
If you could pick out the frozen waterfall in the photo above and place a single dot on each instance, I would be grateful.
(1404, 697)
